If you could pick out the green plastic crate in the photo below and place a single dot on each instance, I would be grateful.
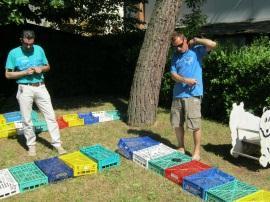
(160, 164)
(104, 157)
(40, 125)
(229, 192)
(115, 114)
(28, 176)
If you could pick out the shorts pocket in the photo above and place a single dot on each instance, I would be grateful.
(194, 108)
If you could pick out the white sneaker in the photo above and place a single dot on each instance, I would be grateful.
(32, 151)
(61, 150)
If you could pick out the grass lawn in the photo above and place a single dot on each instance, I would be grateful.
(128, 182)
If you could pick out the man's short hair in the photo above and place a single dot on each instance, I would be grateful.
(176, 35)
(29, 34)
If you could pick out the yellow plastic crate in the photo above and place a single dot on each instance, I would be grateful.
(69, 117)
(7, 130)
(76, 122)
(259, 196)
(81, 164)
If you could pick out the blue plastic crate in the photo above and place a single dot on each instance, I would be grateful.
(28, 176)
(104, 157)
(85, 115)
(127, 146)
(88, 118)
(200, 182)
(13, 116)
(55, 169)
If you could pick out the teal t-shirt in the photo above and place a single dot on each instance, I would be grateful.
(19, 60)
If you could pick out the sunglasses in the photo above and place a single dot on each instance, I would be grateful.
(178, 46)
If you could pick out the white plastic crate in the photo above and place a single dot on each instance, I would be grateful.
(8, 185)
(19, 127)
(143, 156)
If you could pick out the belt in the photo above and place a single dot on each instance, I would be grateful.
(33, 84)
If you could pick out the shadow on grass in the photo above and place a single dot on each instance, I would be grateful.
(22, 141)
(154, 136)
(223, 150)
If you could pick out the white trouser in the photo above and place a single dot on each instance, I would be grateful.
(26, 95)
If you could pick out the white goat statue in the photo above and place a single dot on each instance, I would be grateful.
(246, 127)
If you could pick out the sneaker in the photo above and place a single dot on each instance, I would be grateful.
(32, 151)
(61, 150)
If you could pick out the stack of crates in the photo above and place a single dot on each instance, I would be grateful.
(88, 118)
(80, 164)
(160, 164)
(73, 120)
(54, 169)
(230, 191)
(28, 176)
(143, 156)
(102, 156)
(126, 146)
(177, 173)
(8, 185)
(7, 130)
(199, 183)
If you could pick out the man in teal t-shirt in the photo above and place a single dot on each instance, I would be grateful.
(26, 64)
(186, 71)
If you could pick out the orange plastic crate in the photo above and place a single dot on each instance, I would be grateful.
(80, 163)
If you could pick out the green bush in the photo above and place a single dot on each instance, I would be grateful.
(235, 74)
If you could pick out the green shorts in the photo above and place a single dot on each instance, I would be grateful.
(186, 110)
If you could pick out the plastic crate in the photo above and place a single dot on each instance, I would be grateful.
(160, 164)
(80, 164)
(13, 116)
(69, 117)
(104, 157)
(61, 123)
(7, 130)
(199, 183)
(55, 169)
(19, 127)
(126, 146)
(177, 173)
(28, 176)
(75, 122)
(142, 157)
(8, 185)
(40, 125)
(34, 115)
(114, 114)
(229, 192)
(2, 119)
(259, 196)
(88, 118)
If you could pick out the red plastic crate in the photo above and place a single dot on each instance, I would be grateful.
(177, 173)
(62, 123)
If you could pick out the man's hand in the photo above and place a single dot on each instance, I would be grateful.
(29, 71)
(190, 82)
(37, 70)
(192, 42)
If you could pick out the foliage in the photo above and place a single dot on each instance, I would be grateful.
(235, 74)
(194, 20)
(77, 16)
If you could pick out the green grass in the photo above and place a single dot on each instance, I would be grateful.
(129, 182)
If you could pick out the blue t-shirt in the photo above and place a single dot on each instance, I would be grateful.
(18, 60)
(189, 65)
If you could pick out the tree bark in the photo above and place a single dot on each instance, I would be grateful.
(144, 94)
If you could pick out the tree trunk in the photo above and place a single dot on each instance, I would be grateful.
(144, 94)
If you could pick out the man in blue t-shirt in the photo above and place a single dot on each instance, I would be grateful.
(186, 71)
(26, 64)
